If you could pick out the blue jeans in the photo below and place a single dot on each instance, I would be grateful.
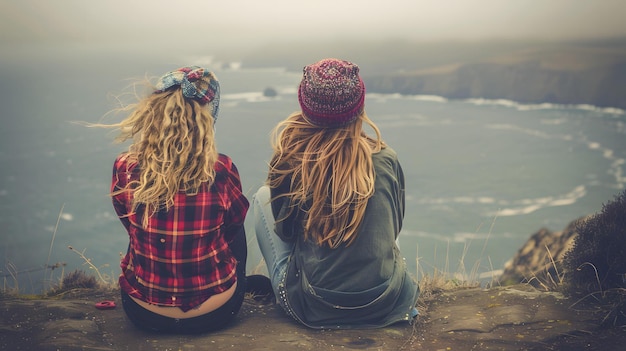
(275, 251)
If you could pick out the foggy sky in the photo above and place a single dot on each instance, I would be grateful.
(251, 22)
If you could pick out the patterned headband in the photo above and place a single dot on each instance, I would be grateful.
(196, 83)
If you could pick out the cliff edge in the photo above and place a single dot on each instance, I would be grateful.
(516, 317)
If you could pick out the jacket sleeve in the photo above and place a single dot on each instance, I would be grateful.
(288, 219)
(401, 194)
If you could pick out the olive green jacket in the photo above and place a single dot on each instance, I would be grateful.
(363, 285)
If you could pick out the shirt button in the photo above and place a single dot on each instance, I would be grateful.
(162, 240)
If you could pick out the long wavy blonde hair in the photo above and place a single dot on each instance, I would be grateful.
(330, 172)
(173, 145)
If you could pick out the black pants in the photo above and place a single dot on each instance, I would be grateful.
(218, 319)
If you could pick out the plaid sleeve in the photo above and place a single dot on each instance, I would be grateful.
(238, 203)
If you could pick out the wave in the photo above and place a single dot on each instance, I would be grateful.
(527, 206)
(545, 106)
(465, 200)
(507, 207)
(248, 96)
(396, 96)
(607, 110)
(616, 168)
(504, 103)
(433, 98)
(456, 238)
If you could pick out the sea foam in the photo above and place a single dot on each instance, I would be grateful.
(526, 206)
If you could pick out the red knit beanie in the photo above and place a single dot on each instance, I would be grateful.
(331, 93)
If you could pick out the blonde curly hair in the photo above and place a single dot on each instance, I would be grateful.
(173, 146)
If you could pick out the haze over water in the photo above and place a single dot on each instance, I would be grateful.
(481, 176)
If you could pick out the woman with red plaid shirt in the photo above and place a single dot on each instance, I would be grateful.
(183, 208)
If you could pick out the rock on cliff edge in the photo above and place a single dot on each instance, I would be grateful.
(539, 262)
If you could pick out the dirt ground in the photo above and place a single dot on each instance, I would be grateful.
(505, 318)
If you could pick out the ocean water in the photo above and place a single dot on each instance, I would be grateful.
(481, 176)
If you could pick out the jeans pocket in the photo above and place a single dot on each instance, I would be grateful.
(347, 299)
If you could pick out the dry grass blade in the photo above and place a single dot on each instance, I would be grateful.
(54, 233)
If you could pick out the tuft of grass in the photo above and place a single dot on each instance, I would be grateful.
(438, 282)
(7, 288)
(551, 278)
(77, 279)
(446, 280)
(442, 280)
(595, 268)
(103, 279)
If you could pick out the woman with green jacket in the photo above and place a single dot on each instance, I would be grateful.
(328, 220)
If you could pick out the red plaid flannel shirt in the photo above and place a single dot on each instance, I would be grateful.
(182, 257)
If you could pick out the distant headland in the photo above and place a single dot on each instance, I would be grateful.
(570, 73)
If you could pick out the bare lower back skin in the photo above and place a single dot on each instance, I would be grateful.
(211, 304)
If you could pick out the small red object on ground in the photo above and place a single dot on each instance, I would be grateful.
(105, 305)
